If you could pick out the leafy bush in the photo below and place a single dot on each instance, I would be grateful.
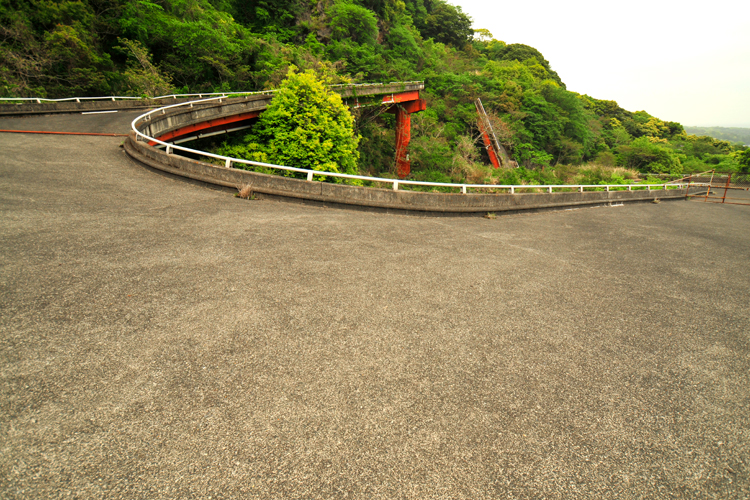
(305, 126)
(743, 158)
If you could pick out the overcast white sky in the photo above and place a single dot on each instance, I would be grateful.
(683, 61)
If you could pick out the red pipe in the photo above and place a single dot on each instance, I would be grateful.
(60, 133)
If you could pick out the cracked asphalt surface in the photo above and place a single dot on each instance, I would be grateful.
(160, 339)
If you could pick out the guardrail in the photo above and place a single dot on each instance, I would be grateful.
(395, 183)
(39, 100)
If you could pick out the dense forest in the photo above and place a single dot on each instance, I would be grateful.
(144, 47)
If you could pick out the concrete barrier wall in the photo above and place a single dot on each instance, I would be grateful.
(33, 108)
(381, 198)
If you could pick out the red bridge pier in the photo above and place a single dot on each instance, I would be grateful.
(403, 105)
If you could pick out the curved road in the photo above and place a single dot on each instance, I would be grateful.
(165, 340)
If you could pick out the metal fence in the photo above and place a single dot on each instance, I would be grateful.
(40, 100)
(730, 188)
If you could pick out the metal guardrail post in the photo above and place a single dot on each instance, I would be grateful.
(729, 178)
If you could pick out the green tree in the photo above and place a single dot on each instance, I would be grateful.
(349, 21)
(308, 126)
(744, 160)
(142, 77)
(447, 24)
(520, 52)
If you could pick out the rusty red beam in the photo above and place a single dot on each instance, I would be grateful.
(401, 97)
(197, 127)
(488, 145)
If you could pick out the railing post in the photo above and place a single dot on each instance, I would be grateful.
(580, 189)
(309, 176)
(463, 189)
(608, 188)
(395, 185)
(169, 149)
(729, 178)
(512, 190)
(228, 164)
(549, 189)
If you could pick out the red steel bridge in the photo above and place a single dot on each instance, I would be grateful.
(399, 98)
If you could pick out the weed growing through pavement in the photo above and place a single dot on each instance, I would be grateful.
(491, 215)
(245, 192)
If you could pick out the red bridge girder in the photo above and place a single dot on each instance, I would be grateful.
(216, 124)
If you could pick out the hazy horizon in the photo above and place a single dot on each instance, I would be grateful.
(682, 63)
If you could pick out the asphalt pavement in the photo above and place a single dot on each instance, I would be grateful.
(161, 339)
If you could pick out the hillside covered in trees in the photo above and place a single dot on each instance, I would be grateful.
(143, 47)
(731, 134)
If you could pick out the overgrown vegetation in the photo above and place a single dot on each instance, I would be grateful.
(148, 47)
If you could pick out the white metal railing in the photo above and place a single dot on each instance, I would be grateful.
(229, 161)
(39, 100)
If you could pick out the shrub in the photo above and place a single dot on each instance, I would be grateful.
(305, 126)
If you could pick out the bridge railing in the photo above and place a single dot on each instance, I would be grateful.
(229, 161)
(41, 100)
